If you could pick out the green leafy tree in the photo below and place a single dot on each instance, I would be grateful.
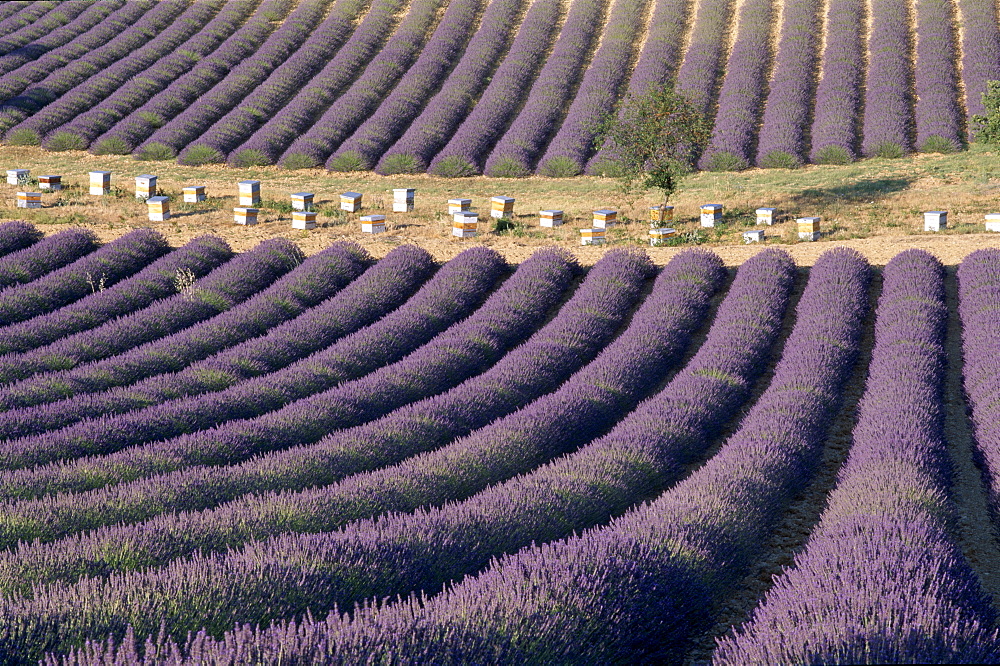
(988, 126)
(655, 138)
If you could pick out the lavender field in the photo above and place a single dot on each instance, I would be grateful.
(506, 88)
(213, 457)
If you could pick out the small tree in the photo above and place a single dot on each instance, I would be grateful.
(988, 130)
(655, 138)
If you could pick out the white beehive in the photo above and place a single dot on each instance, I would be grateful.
(993, 222)
(302, 201)
(808, 228)
(711, 214)
(935, 220)
(753, 236)
(18, 176)
(550, 218)
(402, 200)
(591, 236)
(159, 209)
(249, 192)
(246, 216)
(660, 215)
(350, 201)
(100, 183)
(194, 193)
(604, 218)
(464, 224)
(303, 219)
(51, 183)
(458, 205)
(373, 224)
(657, 236)
(29, 199)
(145, 186)
(501, 207)
(766, 216)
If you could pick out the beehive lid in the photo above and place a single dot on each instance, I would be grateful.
(351, 195)
(157, 200)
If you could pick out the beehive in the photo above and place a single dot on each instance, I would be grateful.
(402, 200)
(17, 176)
(661, 214)
(194, 193)
(591, 236)
(550, 218)
(249, 192)
(302, 201)
(711, 214)
(51, 183)
(464, 224)
(501, 207)
(808, 228)
(753, 236)
(373, 224)
(604, 218)
(303, 219)
(993, 222)
(458, 205)
(159, 209)
(935, 220)
(766, 216)
(100, 182)
(29, 199)
(657, 236)
(243, 215)
(350, 201)
(145, 186)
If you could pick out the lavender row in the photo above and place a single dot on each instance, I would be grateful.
(137, 126)
(838, 94)
(24, 19)
(582, 327)
(362, 98)
(118, 45)
(266, 145)
(648, 320)
(227, 133)
(377, 292)
(117, 22)
(742, 94)
(451, 295)
(57, 37)
(448, 118)
(96, 88)
(938, 113)
(639, 587)
(573, 145)
(782, 140)
(881, 579)
(978, 276)
(17, 235)
(58, 15)
(90, 124)
(888, 109)
(480, 55)
(658, 62)
(104, 267)
(239, 81)
(980, 50)
(698, 75)
(45, 256)
(154, 282)
(520, 147)
(314, 280)
(9, 10)
(227, 285)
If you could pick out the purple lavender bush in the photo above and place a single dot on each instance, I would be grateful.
(980, 51)
(836, 122)
(938, 114)
(17, 235)
(46, 255)
(888, 108)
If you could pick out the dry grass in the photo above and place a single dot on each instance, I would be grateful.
(874, 205)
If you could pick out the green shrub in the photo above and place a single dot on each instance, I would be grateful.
(349, 161)
(298, 161)
(22, 137)
(560, 167)
(399, 164)
(152, 118)
(199, 155)
(62, 141)
(938, 144)
(249, 157)
(833, 155)
(889, 150)
(455, 166)
(607, 168)
(110, 146)
(779, 159)
(155, 151)
(507, 167)
(726, 161)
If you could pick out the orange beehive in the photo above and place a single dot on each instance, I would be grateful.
(591, 236)
(145, 186)
(465, 224)
(159, 209)
(194, 193)
(657, 236)
(550, 218)
(51, 183)
(350, 201)
(29, 199)
(501, 207)
(373, 224)
(249, 192)
(766, 215)
(244, 215)
(303, 219)
(604, 218)
(302, 201)
(661, 215)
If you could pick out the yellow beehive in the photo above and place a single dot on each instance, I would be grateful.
(245, 215)
(302, 201)
(766, 216)
(51, 183)
(591, 236)
(808, 228)
(194, 193)
(661, 214)
(711, 214)
(350, 201)
(935, 220)
(249, 192)
(993, 222)
(29, 199)
(501, 207)
(100, 182)
(604, 218)
(303, 219)
(159, 209)
(550, 218)
(145, 186)
(657, 236)
(402, 200)
(17, 176)
(465, 224)
(458, 205)
(373, 224)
